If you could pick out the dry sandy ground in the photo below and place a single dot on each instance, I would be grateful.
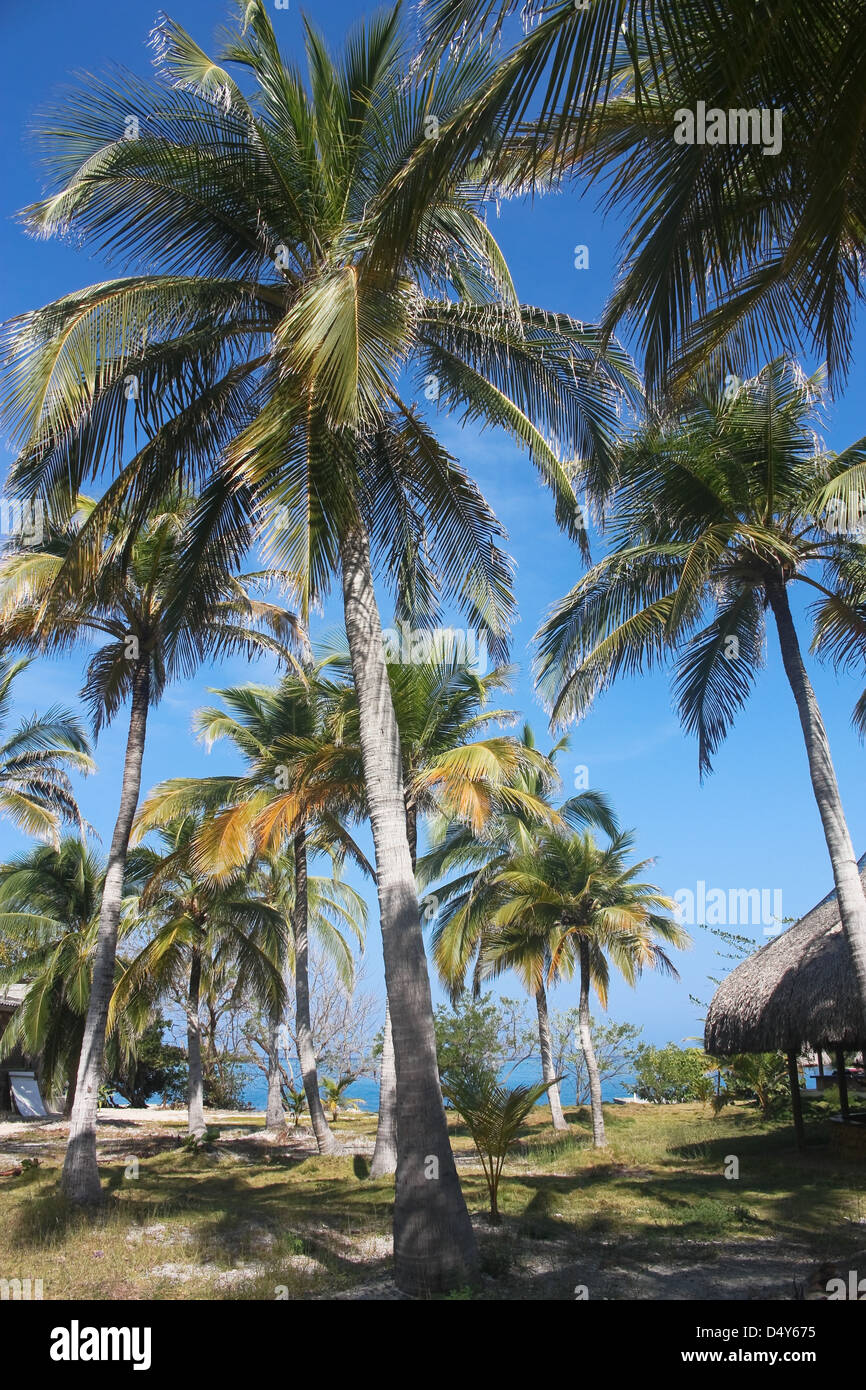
(21, 1137)
(764, 1268)
(124, 1118)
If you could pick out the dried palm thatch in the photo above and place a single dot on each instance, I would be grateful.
(799, 989)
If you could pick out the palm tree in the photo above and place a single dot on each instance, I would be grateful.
(718, 512)
(727, 248)
(35, 761)
(493, 1115)
(49, 908)
(334, 1089)
(156, 619)
(442, 705)
(197, 928)
(296, 1100)
(574, 904)
(302, 744)
(277, 730)
(477, 857)
(252, 227)
(325, 909)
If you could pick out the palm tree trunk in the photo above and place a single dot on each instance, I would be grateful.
(274, 1117)
(70, 1094)
(598, 1137)
(434, 1244)
(195, 1094)
(849, 888)
(547, 1070)
(385, 1152)
(72, 1078)
(325, 1140)
(80, 1179)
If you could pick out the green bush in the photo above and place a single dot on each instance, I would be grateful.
(224, 1084)
(670, 1074)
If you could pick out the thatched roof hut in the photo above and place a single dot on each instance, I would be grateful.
(797, 991)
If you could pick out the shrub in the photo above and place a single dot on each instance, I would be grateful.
(671, 1074)
(758, 1076)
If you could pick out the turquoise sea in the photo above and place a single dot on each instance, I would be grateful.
(366, 1089)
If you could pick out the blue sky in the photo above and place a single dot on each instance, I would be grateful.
(753, 823)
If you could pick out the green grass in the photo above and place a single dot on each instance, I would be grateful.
(296, 1226)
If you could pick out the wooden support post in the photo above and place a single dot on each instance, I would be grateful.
(796, 1103)
(843, 1084)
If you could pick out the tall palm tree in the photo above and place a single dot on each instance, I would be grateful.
(718, 513)
(198, 928)
(471, 860)
(262, 291)
(570, 904)
(277, 730)
(156, 619)
(35, 761)
(727, 247)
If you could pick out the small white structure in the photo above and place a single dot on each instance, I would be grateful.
(25, 1093)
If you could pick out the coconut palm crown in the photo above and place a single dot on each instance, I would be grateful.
(720, 512)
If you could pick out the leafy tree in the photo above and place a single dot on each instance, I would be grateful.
(157, 1068)
(224, 1084)
(470, 1028)
(719, 513)
(264, 288)
(613, 1044)
(670, 1074)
